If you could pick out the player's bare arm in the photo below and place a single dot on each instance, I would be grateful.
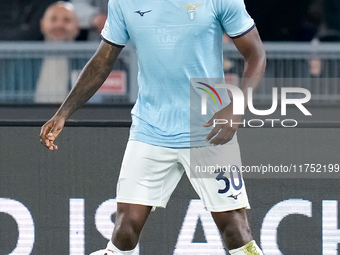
(91, 78)
(251, 48)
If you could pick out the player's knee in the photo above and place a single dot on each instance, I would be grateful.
(129, 223)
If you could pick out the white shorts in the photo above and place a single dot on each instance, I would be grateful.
(149, 174)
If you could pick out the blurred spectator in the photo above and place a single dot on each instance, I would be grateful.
(330, 29)
(20, 19)
(59, 24)
(91, 15)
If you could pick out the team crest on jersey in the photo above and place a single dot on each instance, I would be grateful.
(191, 10)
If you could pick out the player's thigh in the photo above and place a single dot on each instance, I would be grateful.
(214, 172)
(149, 174)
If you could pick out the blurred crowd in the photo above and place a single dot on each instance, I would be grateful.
(20, 20)
(51, 21)
(279, 20)
(82, 20)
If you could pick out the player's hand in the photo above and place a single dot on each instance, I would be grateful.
(50, 130)
(223, 133)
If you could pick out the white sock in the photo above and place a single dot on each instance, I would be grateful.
(250, 248)
(112, 247)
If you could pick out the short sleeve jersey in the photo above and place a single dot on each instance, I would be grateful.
(175, 41)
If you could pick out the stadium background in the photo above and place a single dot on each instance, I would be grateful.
(63, 202)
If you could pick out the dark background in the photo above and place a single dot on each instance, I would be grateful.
(286, 20)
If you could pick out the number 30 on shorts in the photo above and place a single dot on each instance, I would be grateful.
(221, 177)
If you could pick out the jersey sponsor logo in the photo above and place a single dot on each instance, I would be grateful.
(235, 196)
(192, 10)
(141, 13)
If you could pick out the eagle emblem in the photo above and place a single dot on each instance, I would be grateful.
(191, 10)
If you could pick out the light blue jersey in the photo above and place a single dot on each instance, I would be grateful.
(175, 41)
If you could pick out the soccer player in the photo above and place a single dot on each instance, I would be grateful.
(177, 43)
